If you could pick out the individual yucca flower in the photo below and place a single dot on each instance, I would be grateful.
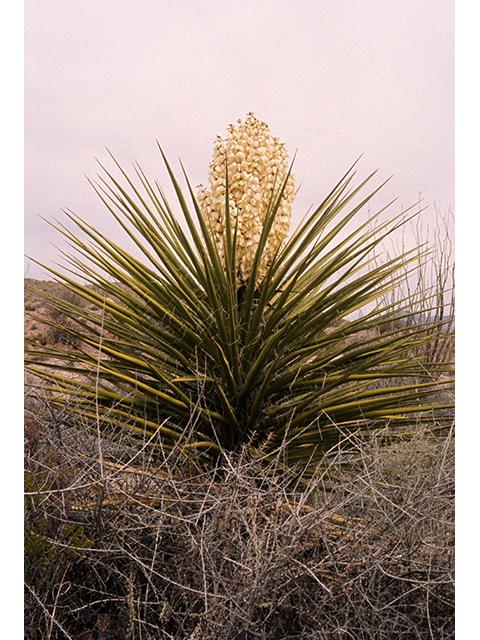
(257, 165)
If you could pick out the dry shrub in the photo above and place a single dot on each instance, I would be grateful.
(236, 553)
(62, 331)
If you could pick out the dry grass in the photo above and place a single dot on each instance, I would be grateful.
(117, 547)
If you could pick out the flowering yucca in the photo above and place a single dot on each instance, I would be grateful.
(170, 353)
(257, 165)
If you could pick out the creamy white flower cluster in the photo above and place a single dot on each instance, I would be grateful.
(256, 162)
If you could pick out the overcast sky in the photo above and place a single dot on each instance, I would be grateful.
(331, 79)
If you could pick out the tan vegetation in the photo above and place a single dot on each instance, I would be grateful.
(119, 547)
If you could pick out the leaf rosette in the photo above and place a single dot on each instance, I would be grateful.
(227, 330)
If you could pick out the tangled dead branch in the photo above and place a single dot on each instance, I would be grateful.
(170, 551)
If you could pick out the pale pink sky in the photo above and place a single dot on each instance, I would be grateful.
(331, 79)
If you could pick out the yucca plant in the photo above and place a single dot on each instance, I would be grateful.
(227, 331)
